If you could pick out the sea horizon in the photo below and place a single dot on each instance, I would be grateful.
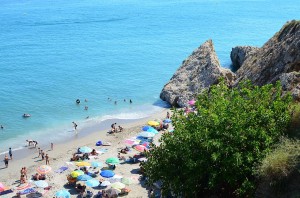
(55, 52)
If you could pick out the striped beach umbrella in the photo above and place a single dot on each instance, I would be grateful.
(23, 186)
(43, 169)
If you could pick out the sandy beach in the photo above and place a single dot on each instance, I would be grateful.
(62, 153)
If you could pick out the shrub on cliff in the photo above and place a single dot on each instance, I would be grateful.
(214, 151)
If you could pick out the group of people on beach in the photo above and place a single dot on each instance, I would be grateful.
(115, 128)
(32, 143)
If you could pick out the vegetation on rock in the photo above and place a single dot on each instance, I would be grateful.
(215, 150)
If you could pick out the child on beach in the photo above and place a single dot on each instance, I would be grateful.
(6, 161)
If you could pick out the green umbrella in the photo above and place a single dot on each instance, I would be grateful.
(112, 161)
(126, 180)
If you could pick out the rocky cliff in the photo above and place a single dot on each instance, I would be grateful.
(200, 70)
(277, 59)
(239, 54)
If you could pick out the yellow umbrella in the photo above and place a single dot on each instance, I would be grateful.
(153, 123)
(83, 163)
(76, 173)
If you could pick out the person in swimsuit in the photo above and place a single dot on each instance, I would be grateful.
(10, 153)
(6, 161)
(47, 159)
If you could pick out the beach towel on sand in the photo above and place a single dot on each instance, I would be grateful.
(61, 169)
(27, 191)
(6, 192)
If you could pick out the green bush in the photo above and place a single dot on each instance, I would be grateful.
(214, 151)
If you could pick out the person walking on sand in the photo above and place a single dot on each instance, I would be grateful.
(168, 115)
(51, 146)
(10, 153)
(6, 161)
(40, 152)
(43, 154)
(47, 159)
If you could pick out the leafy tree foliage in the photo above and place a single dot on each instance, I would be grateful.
(215, 149)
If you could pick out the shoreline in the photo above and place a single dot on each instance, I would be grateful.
(62, 153)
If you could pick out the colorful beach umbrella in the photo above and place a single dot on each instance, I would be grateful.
(152, 130)
(85, 149)
(146, 134)
(43, 169)
(3, 187)
(107, 173)
(96, 164)
(126, 180)
(83, 163)
(83, 177)
(113, 161)
(118, 185)
(76, 173)
(167, 121)
(145, 128)
(41, 184)
(140, 148)
(23, 186)
(92, 183)
(153, 123)
(105, 183)
(63, 194)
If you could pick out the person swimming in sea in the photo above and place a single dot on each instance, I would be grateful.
(130, 101)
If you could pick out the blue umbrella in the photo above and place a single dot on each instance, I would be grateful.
(85, 149)
(152, 130)
(63, 194)
(167, 121)
(145, 128)
(96, 164)
(83, 177)
(92, 183)
(107, 173)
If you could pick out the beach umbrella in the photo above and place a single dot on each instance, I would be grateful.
(192, 102)
(146, 134)
(96, 164)
(167, 120)
(140, 148)
(152, 130)
(112, 192)
(92, 183)
(63, 194)
(113, 180)
(118, 185)
(153, 123)
(85, 149)
(126, 180)
(107, 173)
(146, 128)
(23, 186)
(113, 161)
(84, 177)
(131, 142)
(105, 183)
(76, 173)
(43, 169)
(41, 184)
(83, 163)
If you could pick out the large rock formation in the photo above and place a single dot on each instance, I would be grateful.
(279, 58)
(239, 54)
(200, 70)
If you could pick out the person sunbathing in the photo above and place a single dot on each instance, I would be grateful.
(94, 152)
(123, 151)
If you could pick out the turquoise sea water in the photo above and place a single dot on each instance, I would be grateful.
(53, 52)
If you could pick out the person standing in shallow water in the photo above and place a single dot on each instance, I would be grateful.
(130, 101)
(10, 153)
